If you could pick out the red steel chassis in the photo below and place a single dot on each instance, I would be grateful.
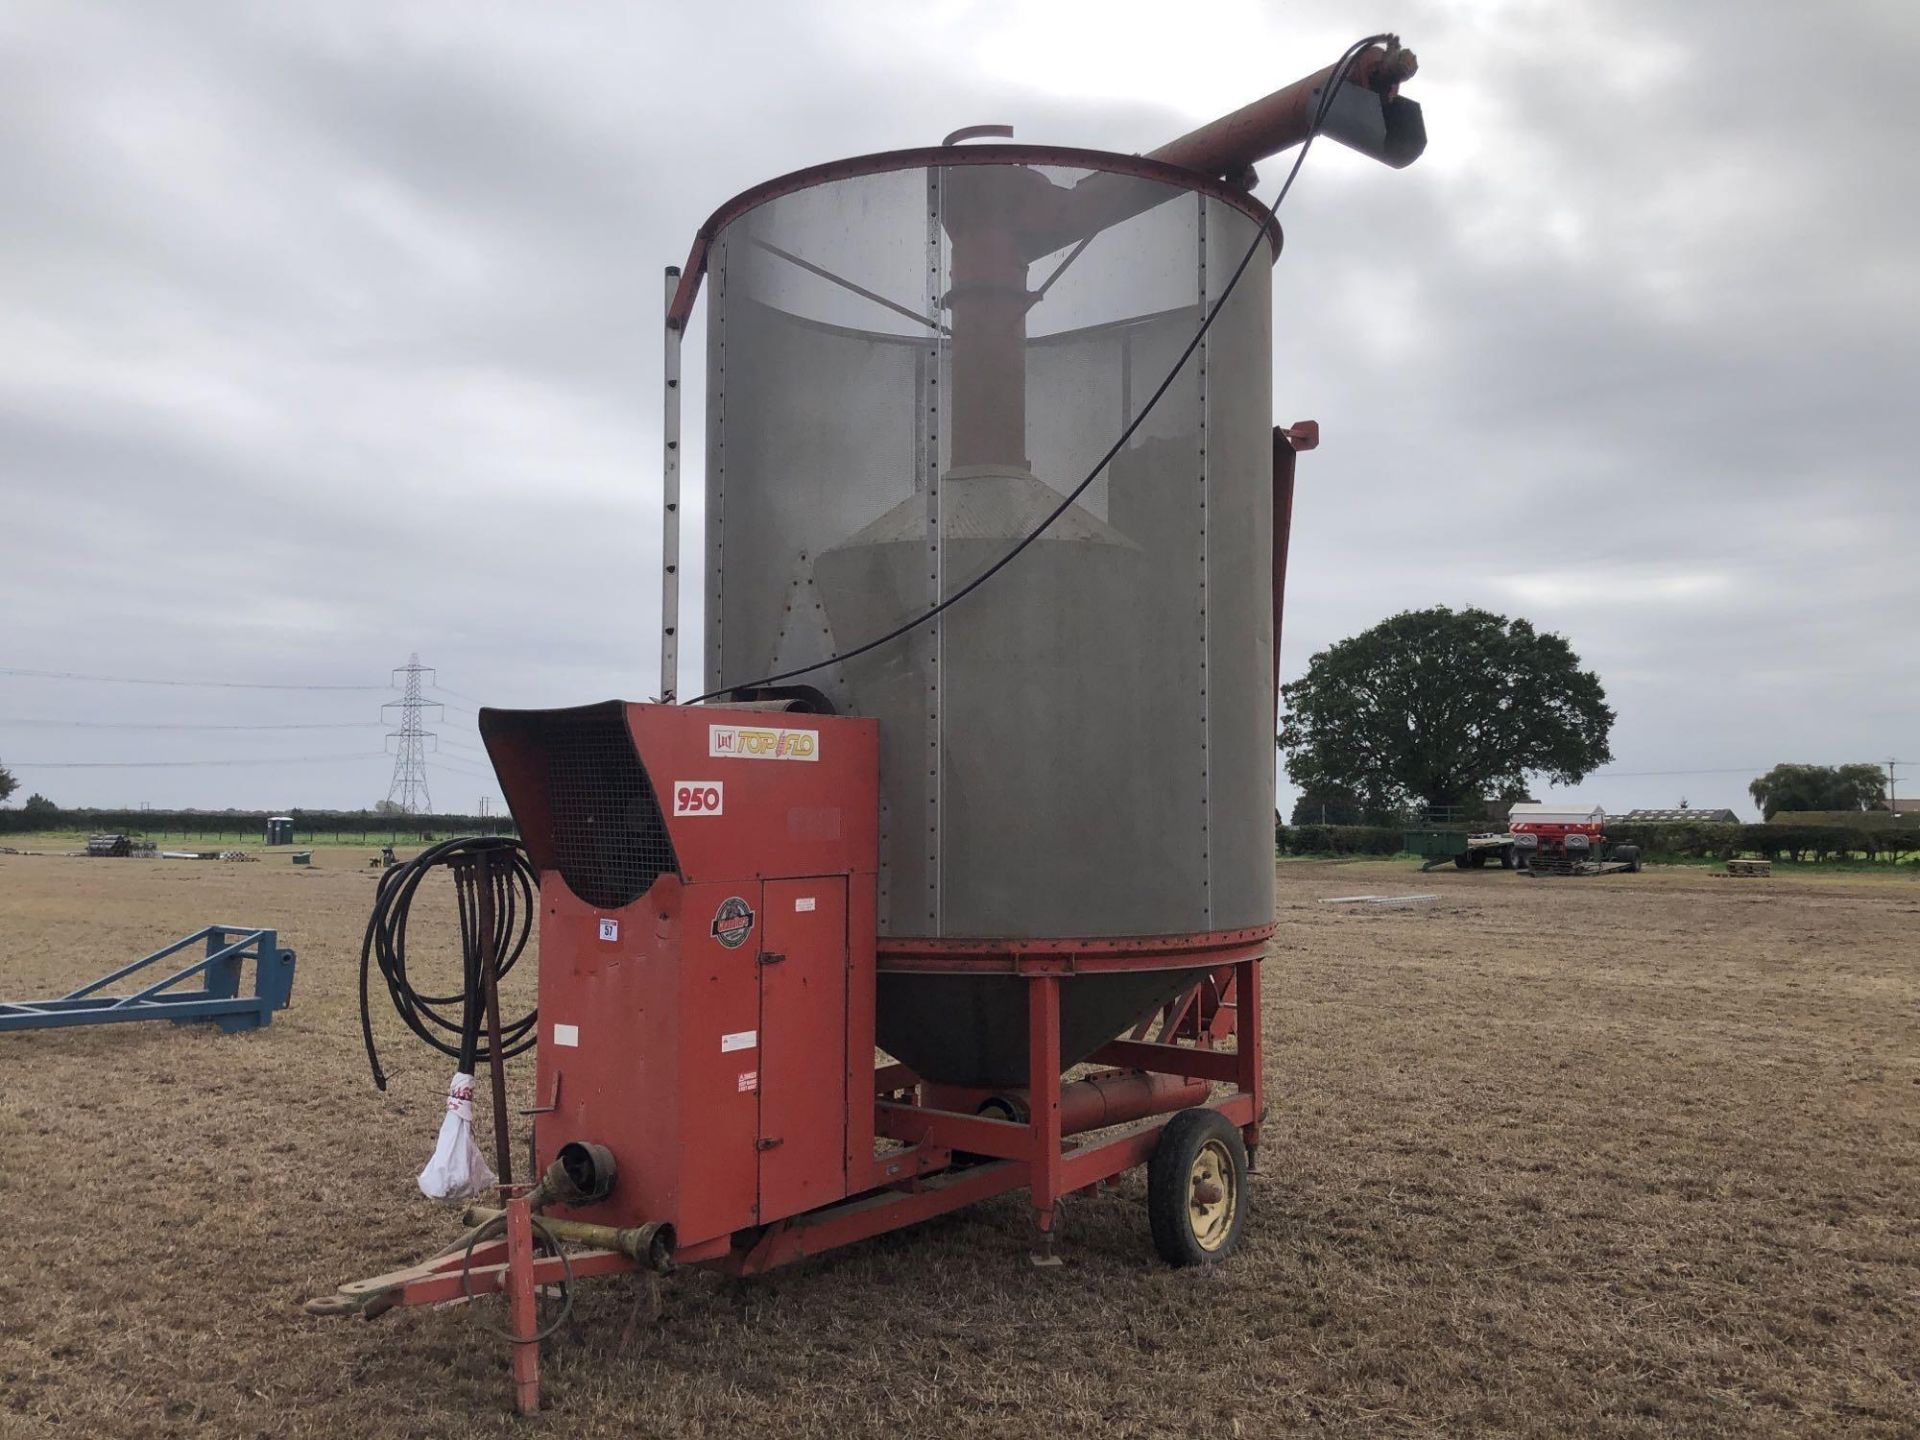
(945, 1158)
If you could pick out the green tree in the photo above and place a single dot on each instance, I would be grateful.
(7, 784)
(1444, 707)
(1819, 787)
(40, 807)
(1332, 806)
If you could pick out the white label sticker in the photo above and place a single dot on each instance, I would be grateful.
(609, 929)
(803, 903)
(739, 1040)
(567, 1035)
(749, 1080)
(743, 742)
(698, 797)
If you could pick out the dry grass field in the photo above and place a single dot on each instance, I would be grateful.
(1634, 1156)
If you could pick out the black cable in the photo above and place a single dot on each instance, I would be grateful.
(566, 1283)
(432, 1017)
(1336, 77)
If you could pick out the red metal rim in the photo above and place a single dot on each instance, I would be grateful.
(945, 156)
(1074, 954)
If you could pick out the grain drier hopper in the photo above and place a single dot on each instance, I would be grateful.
(982, 773)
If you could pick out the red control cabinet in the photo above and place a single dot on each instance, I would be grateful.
(706, 953)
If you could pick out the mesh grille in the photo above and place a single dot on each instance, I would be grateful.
(609, 842)
(1124, 666)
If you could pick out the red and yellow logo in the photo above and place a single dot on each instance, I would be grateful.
(740, 742)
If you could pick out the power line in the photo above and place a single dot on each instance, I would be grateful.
(444, 763)
(158, 725)
(1643, 774)
(184, 684)
(185, 764)
(1754, 770)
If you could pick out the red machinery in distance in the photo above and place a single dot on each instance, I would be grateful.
(1562, 840)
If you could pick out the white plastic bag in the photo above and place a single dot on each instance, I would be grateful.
(457, 1171)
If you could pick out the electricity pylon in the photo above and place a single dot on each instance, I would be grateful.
(409, 742)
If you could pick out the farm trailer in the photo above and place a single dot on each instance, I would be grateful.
(1557, 840)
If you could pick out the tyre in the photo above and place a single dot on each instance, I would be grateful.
(1462, 860)
(1628, 855)
(1479, 859)
(1197, 1188)
(1506, 857)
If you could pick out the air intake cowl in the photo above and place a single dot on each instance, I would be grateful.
(584, 802)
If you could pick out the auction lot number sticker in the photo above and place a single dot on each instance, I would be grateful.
(698, 797)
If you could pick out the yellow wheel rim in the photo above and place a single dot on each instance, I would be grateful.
(1213, 1196)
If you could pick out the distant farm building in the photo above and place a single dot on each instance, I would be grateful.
(1683, 816)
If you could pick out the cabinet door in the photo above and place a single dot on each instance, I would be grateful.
(803, 1045)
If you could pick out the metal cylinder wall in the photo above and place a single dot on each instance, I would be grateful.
(1084, 746)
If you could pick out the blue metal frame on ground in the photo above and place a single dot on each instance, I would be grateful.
(218, 997)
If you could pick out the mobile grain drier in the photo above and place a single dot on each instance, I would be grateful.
(996, 813)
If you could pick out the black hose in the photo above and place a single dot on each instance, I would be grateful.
(456, 1033)
(1334, 81)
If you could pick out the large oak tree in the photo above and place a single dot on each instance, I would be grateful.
(1443, 707)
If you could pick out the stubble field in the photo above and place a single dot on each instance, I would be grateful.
(1633, 1156)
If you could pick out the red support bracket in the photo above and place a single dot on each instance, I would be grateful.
(1043, 1100)
(1223, 1066)
(976, 1134)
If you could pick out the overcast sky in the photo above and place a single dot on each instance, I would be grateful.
(329, 333)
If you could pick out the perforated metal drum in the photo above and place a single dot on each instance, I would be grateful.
(910, 365)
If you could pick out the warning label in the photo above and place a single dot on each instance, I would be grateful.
(749, 1080)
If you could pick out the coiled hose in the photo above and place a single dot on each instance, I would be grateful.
(452, 1023)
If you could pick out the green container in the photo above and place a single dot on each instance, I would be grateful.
(303, 857)
(1436, 844)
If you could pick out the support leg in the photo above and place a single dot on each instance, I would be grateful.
(1043, 1091)
(1247, 1026)
(522, 1311)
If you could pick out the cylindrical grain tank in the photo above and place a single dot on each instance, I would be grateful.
(912, 359)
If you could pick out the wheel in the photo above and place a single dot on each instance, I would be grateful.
(1628, 855)
(1479, 859)
(1462, 860)
(1197, 1188)
(1506, 857)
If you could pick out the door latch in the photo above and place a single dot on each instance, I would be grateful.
(771, 957)
(767, 1142)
